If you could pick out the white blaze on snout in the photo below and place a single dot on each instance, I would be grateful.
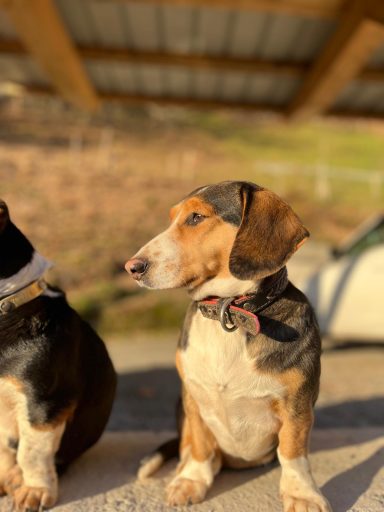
(163, 254)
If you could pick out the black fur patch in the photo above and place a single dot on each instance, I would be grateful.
(225, 199)
(15, 251)
(13, 444)
(289, 338)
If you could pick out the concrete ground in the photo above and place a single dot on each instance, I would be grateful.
(347, 448)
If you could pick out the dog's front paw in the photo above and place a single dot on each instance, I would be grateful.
(183, 491)
(13, 480)
(33, 499)
(317, 503)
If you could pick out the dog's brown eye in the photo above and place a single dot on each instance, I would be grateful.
(194, 219)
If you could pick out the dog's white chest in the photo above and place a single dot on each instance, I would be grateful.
(233, 398)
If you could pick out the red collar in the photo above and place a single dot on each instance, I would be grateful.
(235, 312)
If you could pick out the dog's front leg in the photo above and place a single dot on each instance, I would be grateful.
(34, 478)
(7, 461)
(297, 486)
(200, 458)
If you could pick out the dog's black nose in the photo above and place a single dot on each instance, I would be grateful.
(137, 267)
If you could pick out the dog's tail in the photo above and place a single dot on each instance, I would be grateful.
(158, 458)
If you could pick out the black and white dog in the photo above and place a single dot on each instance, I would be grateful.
(57, 382)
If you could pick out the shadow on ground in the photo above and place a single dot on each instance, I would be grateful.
(146, 400)
(346, 487)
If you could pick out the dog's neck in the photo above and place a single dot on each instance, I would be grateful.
(233, 287)
(33, 271)
(274, 284)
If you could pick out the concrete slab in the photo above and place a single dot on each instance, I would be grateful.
(348, 465)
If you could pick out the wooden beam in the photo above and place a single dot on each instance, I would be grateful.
(193, 61)
(44, 36)
(12, 47)
(190, 61)
(136, 99)
(328, 9)
(343, 58)
(356, 114)
(375, 9)
(139, 99)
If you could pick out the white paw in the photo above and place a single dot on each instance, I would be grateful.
(183, 491)
(314, 503)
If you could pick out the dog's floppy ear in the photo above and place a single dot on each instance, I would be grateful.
(4, 215)
(270, 232)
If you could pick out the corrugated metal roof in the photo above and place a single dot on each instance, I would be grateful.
(203, 30)
(206, 31)
(377, 60)
(193, 30)
(362, 97)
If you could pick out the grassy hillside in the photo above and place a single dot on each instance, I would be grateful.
(90, 191)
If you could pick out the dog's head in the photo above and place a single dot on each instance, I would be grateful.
(15, 250)
(222, 240)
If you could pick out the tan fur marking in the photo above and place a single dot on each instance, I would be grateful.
(15, 382)
(292, 379)
(179, 365)
(203, 443)
(296, 418)
(186, 438)
(294, 433)
(206, 247)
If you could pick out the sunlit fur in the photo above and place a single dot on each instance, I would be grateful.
(195, 257)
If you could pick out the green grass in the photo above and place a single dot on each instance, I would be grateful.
(334, 143)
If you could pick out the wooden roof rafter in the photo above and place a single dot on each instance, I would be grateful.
(191, 61)
(45, 37)
(201, 103)
(359, 34)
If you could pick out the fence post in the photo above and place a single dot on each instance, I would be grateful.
(105, 148)
(375, 181)
(75, 149)
(322, 187)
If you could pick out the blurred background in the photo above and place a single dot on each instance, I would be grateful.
(112, 110)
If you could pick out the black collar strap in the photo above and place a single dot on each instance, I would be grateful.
(234, 312)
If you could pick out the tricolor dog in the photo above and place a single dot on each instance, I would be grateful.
(249, 352)
(57, 382)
